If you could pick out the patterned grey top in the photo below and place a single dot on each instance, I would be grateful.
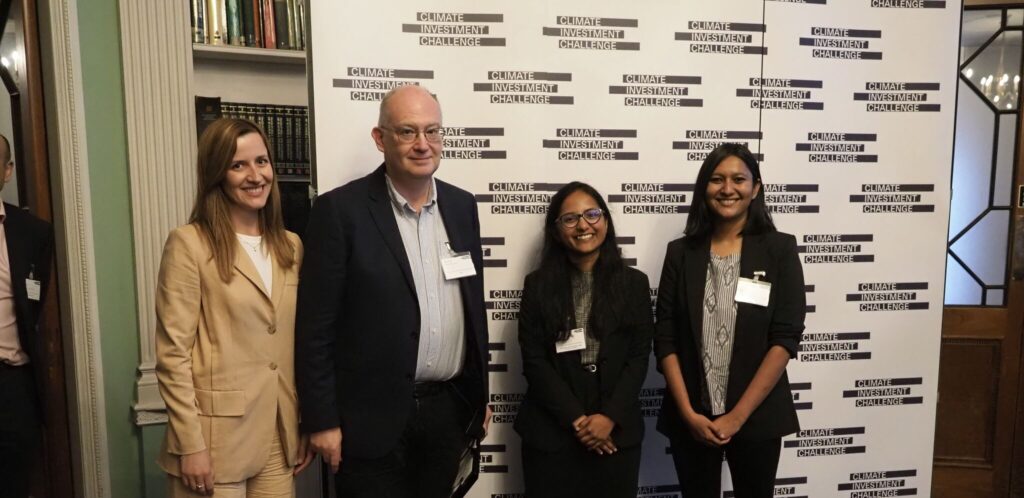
(582, 297)
(719, 328)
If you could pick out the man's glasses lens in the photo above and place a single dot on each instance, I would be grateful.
(408, 135)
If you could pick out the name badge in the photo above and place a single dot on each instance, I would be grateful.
(576, 341)
(457, 266)
(33, 288)
(753, 291)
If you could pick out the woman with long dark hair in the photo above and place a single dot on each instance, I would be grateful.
(730, 314)
(585, 331)
(225, 306)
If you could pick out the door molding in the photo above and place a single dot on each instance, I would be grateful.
(76, 265)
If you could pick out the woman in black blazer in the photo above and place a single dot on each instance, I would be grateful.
(723, 339)
(580, 421)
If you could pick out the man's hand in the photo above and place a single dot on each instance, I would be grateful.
(304, 455)
(197, 472)
(595, 431)
(487, 421)
(327, 444)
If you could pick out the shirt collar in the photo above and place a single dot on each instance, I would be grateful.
(402, 204)
(3, 212)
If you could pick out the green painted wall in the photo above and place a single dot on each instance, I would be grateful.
(111, 204)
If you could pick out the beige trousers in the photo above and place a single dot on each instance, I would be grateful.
(275, 480)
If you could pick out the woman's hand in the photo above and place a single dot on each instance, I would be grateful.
(703, 430)
(197, 472)
(595, 431)
(727, 425)
(304, 455)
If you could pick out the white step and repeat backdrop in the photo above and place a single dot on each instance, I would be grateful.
(849, 103)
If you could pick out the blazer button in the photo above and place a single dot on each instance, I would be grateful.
(273, 366)
(272, 328)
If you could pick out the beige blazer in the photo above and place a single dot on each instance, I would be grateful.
(224, 358)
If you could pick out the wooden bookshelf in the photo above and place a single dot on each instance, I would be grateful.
(247, 74)
(204, 52)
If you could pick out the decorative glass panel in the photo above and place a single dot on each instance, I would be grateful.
(972, 159)
(978, 27)
(983, 247)
(1015, 17)
(961, 288)
(983, 162)
(1004, 160)
(995, 71)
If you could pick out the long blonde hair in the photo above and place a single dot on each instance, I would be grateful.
(211, 211)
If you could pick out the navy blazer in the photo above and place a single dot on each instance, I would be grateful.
(550, 406)
(679, 328)
(29, 251)
(358, 318)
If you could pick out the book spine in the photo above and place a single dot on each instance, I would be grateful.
(291, 25)
(248, 113)
(214, 9)
(260, 117)
(269, 30)
(198, 32)
(234, 20)
(293, 135)
(301, 23)
(281, 23)
(248, 37)
(208, 110)
(279, 138)
(305, 138)
(227, 109)
(257, 22)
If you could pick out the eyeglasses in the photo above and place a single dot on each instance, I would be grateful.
(409, 135)
(570, 220)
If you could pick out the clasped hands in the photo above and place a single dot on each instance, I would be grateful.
(594, 432)
(716, 432)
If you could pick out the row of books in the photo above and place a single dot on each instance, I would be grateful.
(287, 129)
(277, 24)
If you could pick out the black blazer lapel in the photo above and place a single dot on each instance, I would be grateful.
(19, 257)
(696, 259)
(457, 228)
(753, 257)
(384, 217)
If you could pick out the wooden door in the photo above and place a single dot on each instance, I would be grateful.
(21, 75)
(978, 440)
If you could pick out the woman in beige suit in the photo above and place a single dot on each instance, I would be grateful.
(225, 333)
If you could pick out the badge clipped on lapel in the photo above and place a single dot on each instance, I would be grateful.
(33, 287)
(576, 341)
(753, 291)
(457, 264)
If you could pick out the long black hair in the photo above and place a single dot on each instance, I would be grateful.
(700, 223)
(555, 271)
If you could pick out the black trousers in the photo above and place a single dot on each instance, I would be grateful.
(752, 465)
(426, 460)
(575, 471)
(19, 430)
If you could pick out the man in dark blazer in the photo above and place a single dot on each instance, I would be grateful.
(25, 248)
(391, 332)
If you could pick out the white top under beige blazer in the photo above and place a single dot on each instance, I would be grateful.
(225, 357)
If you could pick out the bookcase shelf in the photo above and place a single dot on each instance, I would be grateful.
(202, 51)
